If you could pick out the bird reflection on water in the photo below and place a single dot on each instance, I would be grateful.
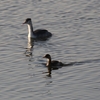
(29, 48)
(54, 64)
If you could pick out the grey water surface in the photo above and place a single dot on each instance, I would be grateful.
(75, 25)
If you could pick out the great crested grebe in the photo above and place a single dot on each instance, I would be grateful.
(37, 34)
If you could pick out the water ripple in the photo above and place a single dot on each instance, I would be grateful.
(75, 26)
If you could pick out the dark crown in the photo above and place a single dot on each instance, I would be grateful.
(47, 56)
(28, 19)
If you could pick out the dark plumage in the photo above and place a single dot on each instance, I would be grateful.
(54, 64)
(42, 33)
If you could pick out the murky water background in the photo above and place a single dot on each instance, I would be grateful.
(75, 25)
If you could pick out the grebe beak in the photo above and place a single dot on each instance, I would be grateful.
(44, 56)
(24, 23)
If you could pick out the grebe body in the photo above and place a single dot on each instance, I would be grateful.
(54, 64)
(37, 34)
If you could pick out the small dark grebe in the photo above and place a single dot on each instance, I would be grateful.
(53, 63)
(37, 34)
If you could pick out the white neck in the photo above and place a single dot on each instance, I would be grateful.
(48, 61)
(30, 31)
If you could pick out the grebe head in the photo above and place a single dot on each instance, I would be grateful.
(47, 56)
(27, 21)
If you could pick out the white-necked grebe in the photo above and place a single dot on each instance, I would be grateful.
(37, 34)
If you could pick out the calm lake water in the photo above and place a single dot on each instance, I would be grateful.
(75, 25)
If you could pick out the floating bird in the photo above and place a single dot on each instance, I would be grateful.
(54, 64)
(37, 34)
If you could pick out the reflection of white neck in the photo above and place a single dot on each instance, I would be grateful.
(30, 31)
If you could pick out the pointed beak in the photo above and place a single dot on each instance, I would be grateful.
(43, 56)
(24, 23)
